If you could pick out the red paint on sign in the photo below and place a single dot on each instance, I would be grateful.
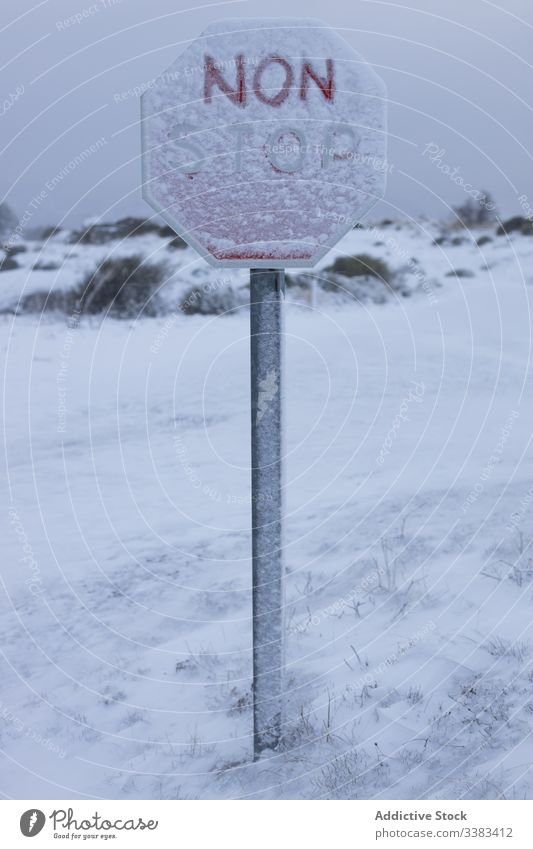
(237, 95)
(326, 86)
(257, 255)
(212, 76)
(283, 93)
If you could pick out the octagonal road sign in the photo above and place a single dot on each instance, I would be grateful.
(264, 142)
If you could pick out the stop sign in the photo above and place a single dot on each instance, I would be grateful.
(264, 142)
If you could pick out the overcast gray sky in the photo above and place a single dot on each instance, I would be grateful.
(458, 76)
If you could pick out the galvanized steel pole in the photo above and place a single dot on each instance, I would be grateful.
(266, 303)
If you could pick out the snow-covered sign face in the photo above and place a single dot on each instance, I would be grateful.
(264, 142)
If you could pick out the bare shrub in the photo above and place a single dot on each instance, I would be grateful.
(339, 779)
(362, 265)
(122, 288)
(213, 300)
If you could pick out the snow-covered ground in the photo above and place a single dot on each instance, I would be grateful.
(125, 611)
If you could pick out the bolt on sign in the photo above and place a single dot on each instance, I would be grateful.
(262, 145)
(264, 142)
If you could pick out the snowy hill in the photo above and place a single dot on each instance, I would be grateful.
(397, 259)
(409, 516)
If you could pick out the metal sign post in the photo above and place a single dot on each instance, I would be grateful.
(262, 145)
(266, 303)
